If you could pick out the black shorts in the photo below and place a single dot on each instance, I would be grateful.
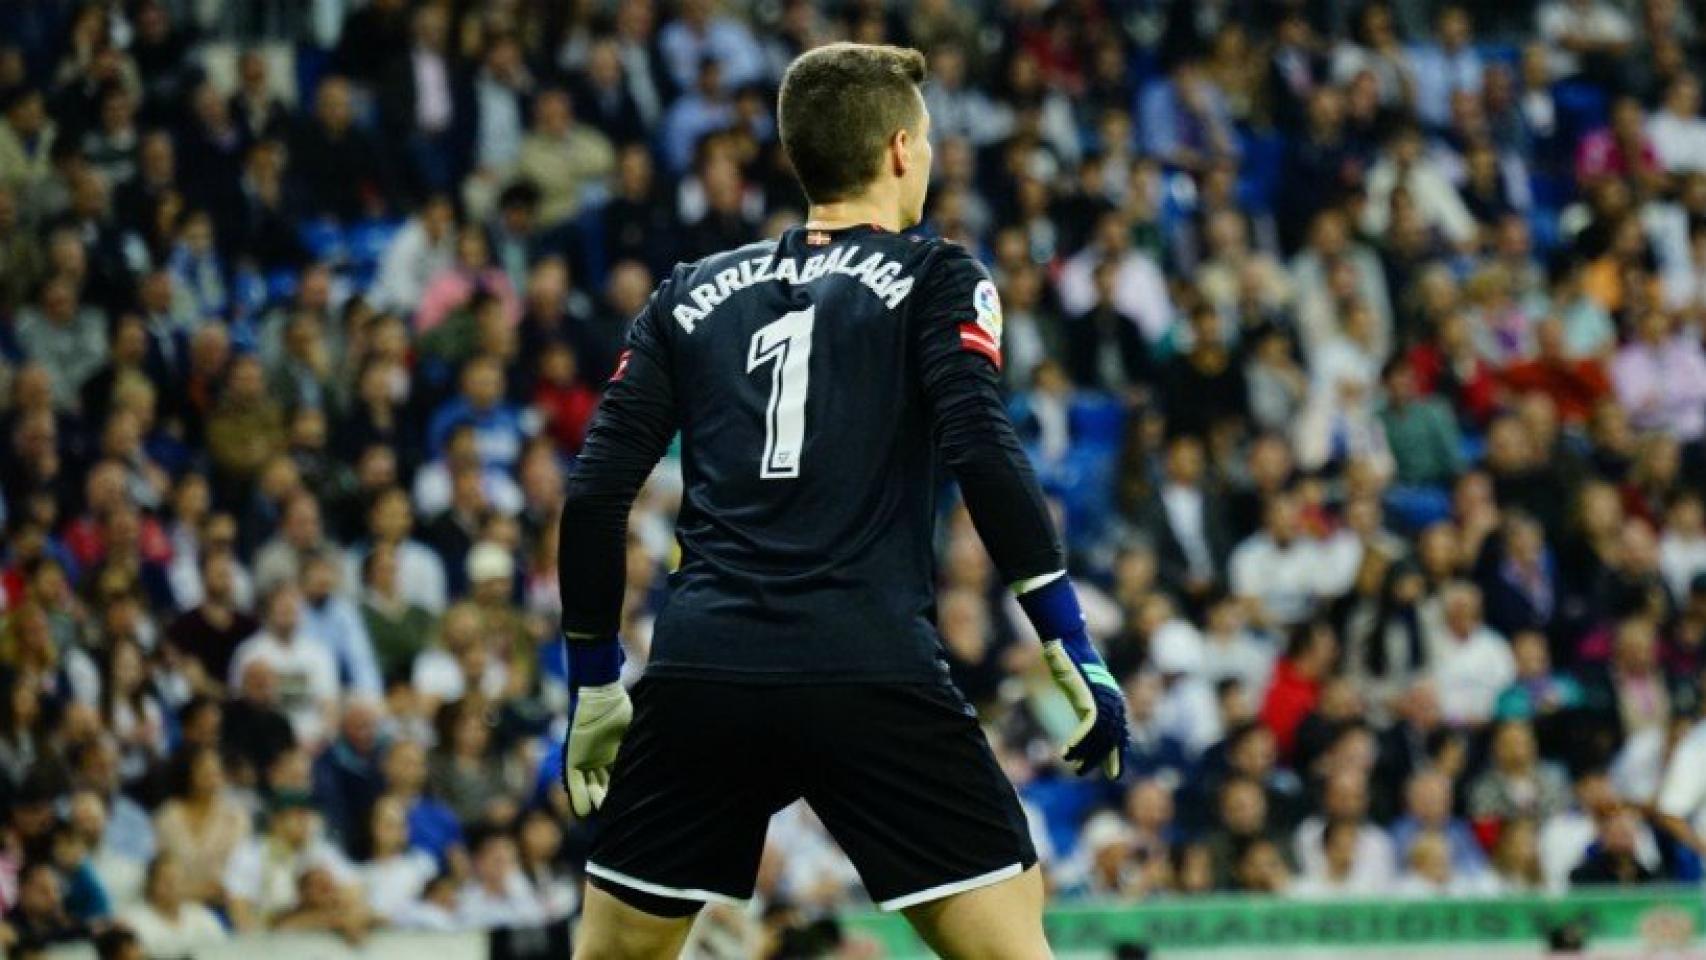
(900, 774)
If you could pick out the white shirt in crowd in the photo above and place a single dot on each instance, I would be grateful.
(1187, 709)
(437, 674)
(395, 883)
(1682, 792)
(1184, 507)
(1286, 579)
(264, 874)
(194, 927)
(1592, 20)
(1439, 203)
(479, 908)
(1469, 672)
(307, 678)
(1140, 290)
(1564, 840)
(1639, 767)
(1376, 860)
(1238, 655)
(1681, 558)
(1417, 887)
(420, 574)
(431, 492)
(1680, 142)
(1324, 887)
(815, 868)
(409, 261)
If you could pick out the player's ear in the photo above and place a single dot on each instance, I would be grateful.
(900, 147)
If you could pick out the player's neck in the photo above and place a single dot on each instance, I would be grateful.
(859, 212)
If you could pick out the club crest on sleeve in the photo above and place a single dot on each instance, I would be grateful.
(986, 304)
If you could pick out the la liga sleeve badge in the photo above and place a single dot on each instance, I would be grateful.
(986, 304)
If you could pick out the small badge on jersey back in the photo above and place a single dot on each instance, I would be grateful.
(984, 335)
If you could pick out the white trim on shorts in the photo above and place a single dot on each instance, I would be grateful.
(947, 889)
(659, 890)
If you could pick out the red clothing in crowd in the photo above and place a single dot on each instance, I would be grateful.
(567, 411)
(1600, 155)
(1291, 697)
(1472, 389)
(88, 545)
(1575, 386)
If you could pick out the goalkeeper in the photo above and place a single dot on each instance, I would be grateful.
(819, 382)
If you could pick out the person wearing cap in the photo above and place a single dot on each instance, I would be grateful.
(1187, 706)
(491, 588)
(1109, 846)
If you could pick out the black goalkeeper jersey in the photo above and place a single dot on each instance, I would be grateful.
(816, 381)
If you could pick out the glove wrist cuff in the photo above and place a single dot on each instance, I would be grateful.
(1053, 610)
(592, 662)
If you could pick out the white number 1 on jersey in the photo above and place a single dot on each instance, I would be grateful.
(786, 341)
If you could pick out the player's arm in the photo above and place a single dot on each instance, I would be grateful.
(630, 432)
(958, 325)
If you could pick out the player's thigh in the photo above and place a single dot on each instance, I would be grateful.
(613, 930)
(1003, 921)
(906, 782)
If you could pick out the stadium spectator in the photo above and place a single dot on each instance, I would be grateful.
(1296, 686)
(255, 731)
(347, 776)
(1428, 810)
(1278, 571)
(118, 871)
(38, 919)
(1345, 798)
(306, 668)
(1471, 664)
(1420, 430)
(1612, 860)
(1518, 784)
(498, 894)
(562, 158)
(201, 825)
(166, 922)
(1336, 877)
(1430, 872)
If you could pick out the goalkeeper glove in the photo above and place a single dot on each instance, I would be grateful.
(1101, 737)
(599, 713)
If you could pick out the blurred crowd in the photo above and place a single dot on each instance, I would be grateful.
(1359, 345)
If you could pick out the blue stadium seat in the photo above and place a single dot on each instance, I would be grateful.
(1064, 802)
(1097, 419)
(281, 285)
(365, 242)
(324, 240)
(1264, 159)
(1413, 509)
(1581, 107)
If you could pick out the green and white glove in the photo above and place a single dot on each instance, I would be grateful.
(599, 714)
(601, 717)
(1101, 738)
